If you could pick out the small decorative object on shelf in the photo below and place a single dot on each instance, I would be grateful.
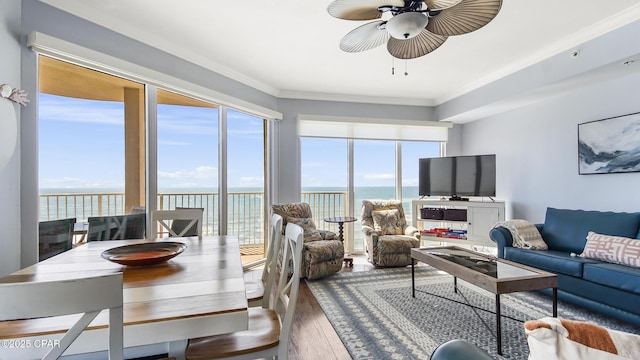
(16, 95)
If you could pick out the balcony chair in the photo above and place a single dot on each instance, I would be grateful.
(255, 287)
(89, 295)
(55, 237)
(323, 251)
(269, 328)
(189, 222)
(388, 238)
(118, 227)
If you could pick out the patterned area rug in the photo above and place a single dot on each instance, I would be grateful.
(376, 317)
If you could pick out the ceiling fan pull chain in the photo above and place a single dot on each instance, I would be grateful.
(393, 68)
(405, 68)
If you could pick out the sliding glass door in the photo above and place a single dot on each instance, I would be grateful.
(245, 169)
(355, 170)
(188, 156)
(94, 156)
(91, 142)
(374, 175)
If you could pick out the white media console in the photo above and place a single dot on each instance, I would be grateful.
(466, 222)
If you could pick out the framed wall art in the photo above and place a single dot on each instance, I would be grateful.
(609, 145)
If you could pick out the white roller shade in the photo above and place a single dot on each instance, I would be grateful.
(379, 129)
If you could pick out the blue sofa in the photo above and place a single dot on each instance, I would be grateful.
(611, 289)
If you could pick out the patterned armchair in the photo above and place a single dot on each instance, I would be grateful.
(323, 252)
(388, 238)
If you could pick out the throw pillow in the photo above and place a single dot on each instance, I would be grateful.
(309, 227)
(613, 249)
(387, 222)
(555, 338)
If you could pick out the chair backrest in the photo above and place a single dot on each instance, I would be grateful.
(117, 227)
(273, 249)
(368, 206)
(55, 237)
(286, 295)
(186, 227)
(292, 210)
(162, 220)
(138, 210)
(87, 296)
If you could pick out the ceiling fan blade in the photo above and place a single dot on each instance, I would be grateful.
(415, 47)
(440, 4)
(364, 37)
(360, 9)
(465, 17)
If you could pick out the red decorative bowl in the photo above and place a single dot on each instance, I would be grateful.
(150, 253)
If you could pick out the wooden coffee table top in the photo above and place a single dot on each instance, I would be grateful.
(496, 275)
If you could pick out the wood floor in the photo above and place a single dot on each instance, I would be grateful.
(312, 336)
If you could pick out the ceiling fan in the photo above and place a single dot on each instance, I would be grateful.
(415, 28)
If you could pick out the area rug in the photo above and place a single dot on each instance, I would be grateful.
(376, 317)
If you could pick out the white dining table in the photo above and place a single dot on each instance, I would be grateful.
(198, 293)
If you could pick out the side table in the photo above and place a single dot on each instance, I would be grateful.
(340, 220)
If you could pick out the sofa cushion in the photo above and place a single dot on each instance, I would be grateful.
(323, 250)
(613, 249)
(554, 261)
(397, 244)
(613, 275)
(566, 230)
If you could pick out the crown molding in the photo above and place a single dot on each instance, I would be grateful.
(304, 95)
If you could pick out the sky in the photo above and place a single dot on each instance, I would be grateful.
(81, 146)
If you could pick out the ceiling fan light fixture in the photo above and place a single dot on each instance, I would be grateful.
(407, 25)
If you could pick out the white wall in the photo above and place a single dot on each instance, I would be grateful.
(536, 148)
(10, 175)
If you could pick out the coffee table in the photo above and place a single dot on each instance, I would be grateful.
(495, 275)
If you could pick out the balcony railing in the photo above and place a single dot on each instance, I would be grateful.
(245, 209)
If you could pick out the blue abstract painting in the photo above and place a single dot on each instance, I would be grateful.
(610, 145)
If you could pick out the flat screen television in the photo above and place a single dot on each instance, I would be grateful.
(457, 176)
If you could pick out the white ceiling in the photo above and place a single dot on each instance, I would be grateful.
(290, 48)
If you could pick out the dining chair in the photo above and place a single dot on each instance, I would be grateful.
(87, 296)
(138, 210)
(116, 227)
(268, 333)
(55, 237)
(178, 226)
(161, 221)
(255, 287)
